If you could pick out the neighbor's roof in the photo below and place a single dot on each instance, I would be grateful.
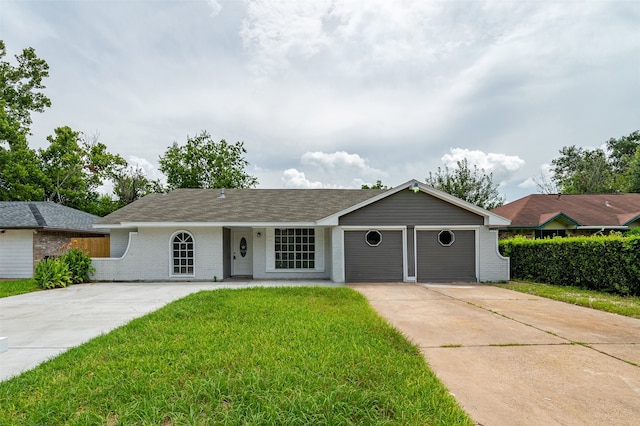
(585, 210)
(239, 205)
(44, 215)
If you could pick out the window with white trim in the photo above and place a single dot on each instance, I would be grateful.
(446, 238)
(295, 248)
(182, 254)
(373, 238)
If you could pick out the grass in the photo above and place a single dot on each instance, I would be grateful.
(622, 305)
(15, 287)
(253, 356)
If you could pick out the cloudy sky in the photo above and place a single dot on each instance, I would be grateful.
(337, 93)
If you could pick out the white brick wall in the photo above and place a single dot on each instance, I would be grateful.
(119, 241)
(148, 256)
(493, 266)
(337, 255)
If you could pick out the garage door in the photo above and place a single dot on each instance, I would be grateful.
(373, 256)
(446, 256)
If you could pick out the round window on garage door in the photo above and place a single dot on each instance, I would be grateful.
(446, 238)
(373, 238)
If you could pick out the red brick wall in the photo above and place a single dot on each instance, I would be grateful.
(48, 244)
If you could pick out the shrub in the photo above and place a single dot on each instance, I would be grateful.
(632, 232)
(610, 264)
(52, 273)
(79, 264)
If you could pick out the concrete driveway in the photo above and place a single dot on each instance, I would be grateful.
(516, 359)
(44, 324)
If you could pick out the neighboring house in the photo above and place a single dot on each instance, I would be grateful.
(33, 230)
(409, 233)
(543, 215)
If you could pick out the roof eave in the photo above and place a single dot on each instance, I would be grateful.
(127, 225)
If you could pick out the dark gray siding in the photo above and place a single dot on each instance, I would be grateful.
(226, 252)
(446, 264)
(409, 208)
(364, 263)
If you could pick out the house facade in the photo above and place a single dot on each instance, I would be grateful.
(564, 215)
(411, 233)
(31, 231)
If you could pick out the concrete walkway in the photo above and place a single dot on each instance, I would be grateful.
(515, 359)
(43, 324)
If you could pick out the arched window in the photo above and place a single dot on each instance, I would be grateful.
(182, 254)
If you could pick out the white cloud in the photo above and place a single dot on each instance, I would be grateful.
(292, 178)
(489, 162)
(150, 170)
(215, 6)
(501, 165)
(333, 160)
(541, 182)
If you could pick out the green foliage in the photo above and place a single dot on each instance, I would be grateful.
(75, 167)
(580, 171)
(596, 171)
(378, 185)
(610, 264)
(632, 173)
(73, 266)
(79, 264)
(474, 186)
(632, 232)
(52, 273)
(20, 175)
(15, 287)
(20, 87)
(621, 305)
(268, 356)
(204, 163)
(20, 95)
(131, 184)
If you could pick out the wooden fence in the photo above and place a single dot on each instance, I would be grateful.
(95, 246)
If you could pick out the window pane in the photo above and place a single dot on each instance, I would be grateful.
(294, 248)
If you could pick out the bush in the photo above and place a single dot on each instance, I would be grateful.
(73, 266)
(79, 264)
(610, 264)
(632, 232)
(52, 273)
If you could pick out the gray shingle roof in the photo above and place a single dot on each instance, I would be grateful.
(44, 215)
(239, 205)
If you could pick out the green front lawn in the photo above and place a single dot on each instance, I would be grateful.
(252, 356)
(623, 305)
(15, 287)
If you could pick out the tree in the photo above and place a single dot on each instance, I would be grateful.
(20, 85)
(74, 167)
(20, 174)
(378, 185)
(590, 171)
(131, 184)
(622, 150)
(632, 174)
(204, 163)
(579, 171)
(474, 186)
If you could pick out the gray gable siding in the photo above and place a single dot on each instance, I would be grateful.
(409, 208)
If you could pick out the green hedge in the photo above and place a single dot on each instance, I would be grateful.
(610, 264)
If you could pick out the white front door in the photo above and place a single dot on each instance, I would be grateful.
(242, 259)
